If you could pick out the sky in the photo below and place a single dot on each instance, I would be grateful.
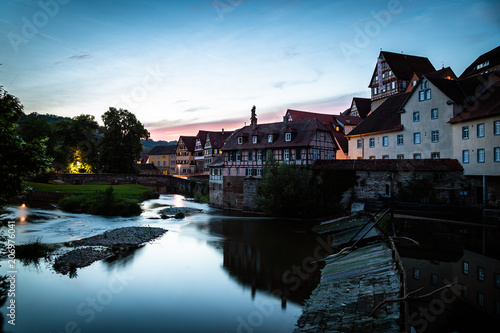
(184, 66)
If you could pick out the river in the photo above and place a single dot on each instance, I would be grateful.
(211, 272)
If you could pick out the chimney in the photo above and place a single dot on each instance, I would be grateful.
(222, 131)
(253, 118)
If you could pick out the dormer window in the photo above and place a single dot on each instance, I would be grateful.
(288, 136)
(254, 139)
(484, 64)
(269, 138)
(240, 140)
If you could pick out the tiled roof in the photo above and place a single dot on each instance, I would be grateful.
(162, 150)
(445, 164)
(303, 132)
(189, 142)
(217, 139)
(484, 105)
(363, 105)
(202, 136)
(385, 118)
(492, 56)
(148, 166)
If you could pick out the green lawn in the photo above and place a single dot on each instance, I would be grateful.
(131, 191)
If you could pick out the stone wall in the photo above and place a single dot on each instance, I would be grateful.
(250, 194)
(233, 192)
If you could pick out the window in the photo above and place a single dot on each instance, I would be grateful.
(416, 274)
(372, 142)
(465, 132)
(286, 154)
(298, 154)
(158, 163)
(359, 144)
(259, 172)
(480, 299)
(385, 157)
(465, 267)
(400, 139)
(329, 154)
(288, 136)
(496, 127)
(259, 155)
(269, 154)
(435, 156)
(480, 155)
(270, 138)
(393, 85)
(318, 136)
(434, 279)
(480, 130)
(326, 135)
(240, 140)
(238, 156)
(416, 116)
(425, 92)
(254, 139)
(496, 154)
(164, 163)
(435, 136)
(153, 156)
(374, 91)
(465, 156)
(250, 155)
(434, 114)
(315, 154)
(480, 273)
(401, 157)
(416, 138)
(417, 156)
(372, 157)
(385, 141)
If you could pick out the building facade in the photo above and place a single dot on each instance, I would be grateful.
(184, 156)
(161, 157)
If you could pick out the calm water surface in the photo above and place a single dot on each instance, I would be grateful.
(209, 273)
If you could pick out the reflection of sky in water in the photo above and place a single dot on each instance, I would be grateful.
(178, 283)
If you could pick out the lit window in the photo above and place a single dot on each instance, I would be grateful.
(416, 116)
(435, 136)
(480, 155)
(416, 138)
(465, 132)
(496, 152)
(400, 139)
(465, 156)
(434, 114)
(288, 136)
(480, 130)
(385, 141)
(372, 142)
(270, 138)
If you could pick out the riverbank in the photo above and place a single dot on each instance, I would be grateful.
(89, 250)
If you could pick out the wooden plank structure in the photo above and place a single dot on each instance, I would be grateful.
(352, 284)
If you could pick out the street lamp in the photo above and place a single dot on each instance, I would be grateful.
(179, 167)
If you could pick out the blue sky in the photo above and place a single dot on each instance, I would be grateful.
(183, 66)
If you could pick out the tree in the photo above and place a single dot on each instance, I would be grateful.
(81, 142)
(18, 159)
(121, 145)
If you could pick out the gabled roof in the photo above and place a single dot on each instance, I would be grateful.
(148, 166)
(162, 150)
(304, 131)
(444, 164)
(493, 57)
(385, 118)
(202, 136)
(217, 139)
(404, 65)
(363, 105)
(189, 142)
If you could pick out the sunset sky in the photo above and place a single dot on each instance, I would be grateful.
(184, 66)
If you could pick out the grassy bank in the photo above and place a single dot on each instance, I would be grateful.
(129, 191)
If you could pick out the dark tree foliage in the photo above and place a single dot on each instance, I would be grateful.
(18, 158)
(292, 191)
(121, 144)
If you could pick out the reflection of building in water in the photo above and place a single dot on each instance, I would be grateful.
(474, 300)
(270, 258)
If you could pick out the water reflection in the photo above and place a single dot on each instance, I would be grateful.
(465, 255)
